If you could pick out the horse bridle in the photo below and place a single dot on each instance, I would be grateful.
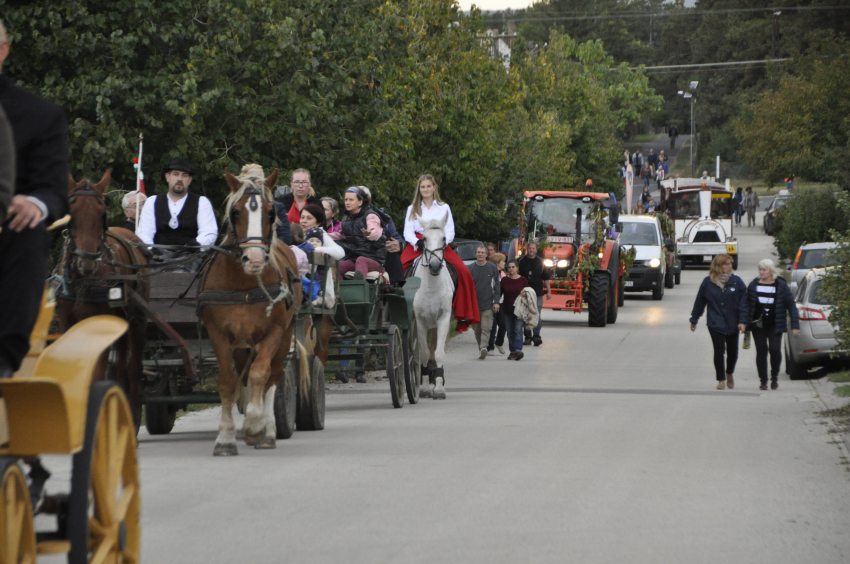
(98, 256)
(428, 254)
(252, 204)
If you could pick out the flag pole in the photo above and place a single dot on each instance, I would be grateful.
(138, 179)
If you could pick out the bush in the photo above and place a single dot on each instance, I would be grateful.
(809, 217)
(836, 283)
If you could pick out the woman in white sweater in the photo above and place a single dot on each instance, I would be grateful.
(313, 215)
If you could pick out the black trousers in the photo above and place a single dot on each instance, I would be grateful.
(768, 341)
(23, 267)
(392, 265)
(724, 345)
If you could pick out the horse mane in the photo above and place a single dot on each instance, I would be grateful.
(252, 175)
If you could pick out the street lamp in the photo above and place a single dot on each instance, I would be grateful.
(689, 95)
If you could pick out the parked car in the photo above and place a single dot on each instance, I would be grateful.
(649, 271)
(770, 214)
(465, 248)
(809, 256)
(816, 343)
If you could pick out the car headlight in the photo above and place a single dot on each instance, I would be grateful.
(548, 263)
(654, 263)
(563, 263)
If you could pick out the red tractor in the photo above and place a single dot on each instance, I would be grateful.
(577, 236)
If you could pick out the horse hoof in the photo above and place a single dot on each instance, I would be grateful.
(425, 392)
(254, 439)
(225, 449)
(266, 443)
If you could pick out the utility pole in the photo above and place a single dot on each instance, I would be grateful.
(775, 42)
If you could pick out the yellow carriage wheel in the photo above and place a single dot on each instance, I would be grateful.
(103, 516)
(17, 536)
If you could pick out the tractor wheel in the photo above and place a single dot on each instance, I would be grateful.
(735, 261)
(658, 293)
(669, 280)
(597, 300)
(103, 507)
(613, 301)
(678, 276)
(17, 534)
(621, 292)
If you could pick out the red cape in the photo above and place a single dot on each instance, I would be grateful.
(465, 303)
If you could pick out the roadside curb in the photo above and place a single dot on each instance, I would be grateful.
(823, 390)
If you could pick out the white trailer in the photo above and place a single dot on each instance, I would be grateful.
(702, 212)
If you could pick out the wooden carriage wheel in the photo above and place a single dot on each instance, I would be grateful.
(103, 515)
(17, 536)
(286, 402)
(310, 413)
(412, 369)
(395, 366)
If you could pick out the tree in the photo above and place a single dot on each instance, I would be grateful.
(836, 282)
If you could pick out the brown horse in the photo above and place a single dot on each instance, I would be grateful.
(249, 319)
(91, 255)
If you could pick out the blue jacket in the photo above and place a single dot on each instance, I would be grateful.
(727, 308)
(282, 228)
(784, 302)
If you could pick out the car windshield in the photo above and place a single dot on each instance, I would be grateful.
(815, 294)
(684, 205)
(638, 234)
(466, 251)
(815, 258)
(779, 202)
(720, 206)
(557, 216)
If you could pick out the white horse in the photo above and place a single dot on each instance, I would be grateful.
(432, 306)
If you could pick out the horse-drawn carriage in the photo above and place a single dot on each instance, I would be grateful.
(51, 407)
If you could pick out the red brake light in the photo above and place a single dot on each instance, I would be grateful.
(809, 314)
(797, 259)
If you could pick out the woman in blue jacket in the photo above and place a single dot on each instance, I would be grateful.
(725, 295)
(770, 300)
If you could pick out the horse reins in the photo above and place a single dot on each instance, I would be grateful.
(428, 254)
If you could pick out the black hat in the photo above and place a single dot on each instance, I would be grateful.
(179, 163)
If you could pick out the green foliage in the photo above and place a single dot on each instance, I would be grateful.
(369, 92)
(810, 216)
(802, 128)
(836, 284)
(627, 260)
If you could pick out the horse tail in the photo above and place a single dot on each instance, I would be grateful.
(303, 370)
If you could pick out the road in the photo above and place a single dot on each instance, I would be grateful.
(602, 445)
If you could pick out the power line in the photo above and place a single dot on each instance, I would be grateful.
(726, 64)
(666, 14)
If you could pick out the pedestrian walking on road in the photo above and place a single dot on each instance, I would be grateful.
(751, 204)
(738, 200)
(637, 161)
(652, 159)
(497, 333)
(725, 296)
(488, 289)
(646, 174)
(770, 299)
(644, 196)
(660, 175)
(674, 133)
(532, 268)
(512, 286)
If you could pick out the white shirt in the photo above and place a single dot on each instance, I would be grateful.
(207, 226)
(436, 211)
(330, 248)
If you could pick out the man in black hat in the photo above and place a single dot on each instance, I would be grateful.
(179, 217)
(40, 135)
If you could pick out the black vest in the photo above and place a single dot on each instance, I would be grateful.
(356, 244)
(187, 228)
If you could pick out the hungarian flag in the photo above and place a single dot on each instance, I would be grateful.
(141, 176)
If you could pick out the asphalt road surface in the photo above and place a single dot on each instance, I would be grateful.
(603, 445)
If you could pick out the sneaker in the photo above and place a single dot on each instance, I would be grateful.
(537, 341)
(360, 377)
(491, 353)
(358, 275)
(482, 354)
(721, 385)
(527, 341)
(763, 385)
(512, 356)
(342, 377)
(774, 384)
(501, 349)
(519, 355)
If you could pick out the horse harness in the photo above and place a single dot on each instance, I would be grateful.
(252, 204)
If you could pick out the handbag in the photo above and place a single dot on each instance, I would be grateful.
(758, 322)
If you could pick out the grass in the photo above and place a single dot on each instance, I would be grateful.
(842, 391)
(839, 377)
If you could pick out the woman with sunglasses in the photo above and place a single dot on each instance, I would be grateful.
(426, 206)
(512, 286)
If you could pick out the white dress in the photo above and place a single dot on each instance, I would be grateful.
(436, 211)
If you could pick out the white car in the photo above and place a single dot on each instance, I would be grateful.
(649, 272)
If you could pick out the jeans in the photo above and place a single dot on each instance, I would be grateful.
(514, 326)
(497, 337)
(738, 213)
(536, 331)
(768, 341)
(482, 330)
(727, 344)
